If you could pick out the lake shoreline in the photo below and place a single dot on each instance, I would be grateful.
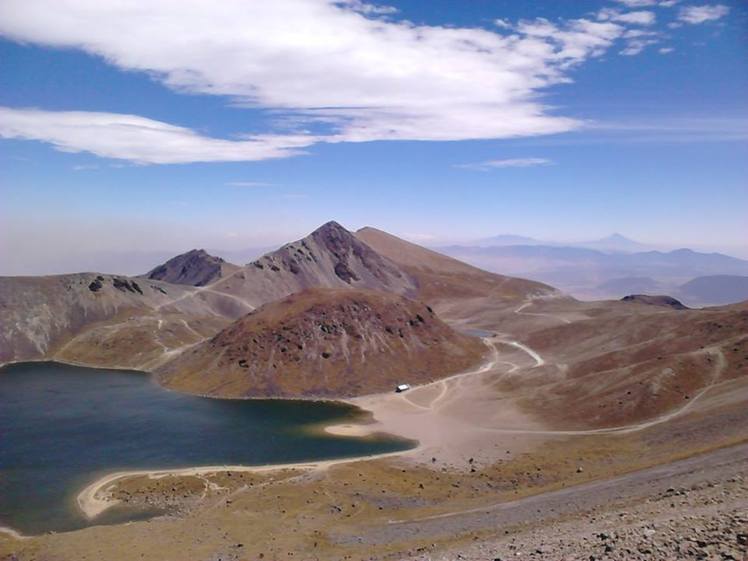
(92, 505)
(38, 391)
(372, 405)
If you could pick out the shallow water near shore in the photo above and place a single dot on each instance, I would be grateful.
(62, 427)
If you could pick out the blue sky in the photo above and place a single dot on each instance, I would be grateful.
(168, 127)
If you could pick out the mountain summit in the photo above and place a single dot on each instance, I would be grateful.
(195, 268)
(329, 257)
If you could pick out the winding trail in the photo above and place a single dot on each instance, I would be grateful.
(209, 290)
(539, 361)
(624, 429)
(529, 303)
(444, 384)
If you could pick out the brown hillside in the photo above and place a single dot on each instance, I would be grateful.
(325, 342)
(438, 276)
(631, 365)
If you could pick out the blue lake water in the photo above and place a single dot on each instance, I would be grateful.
(62, 427)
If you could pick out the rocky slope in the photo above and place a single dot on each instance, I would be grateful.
(139, 323)
(37, 314)
(195, 268)
(634, 363)
(330, 257)
(102, 320)
(325, 342)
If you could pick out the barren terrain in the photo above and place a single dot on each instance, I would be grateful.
(554, 439)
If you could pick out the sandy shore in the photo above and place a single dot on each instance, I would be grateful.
(12, 533)
(455, 418)
(92, 504)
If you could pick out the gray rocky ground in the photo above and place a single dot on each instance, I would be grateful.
(697, 511)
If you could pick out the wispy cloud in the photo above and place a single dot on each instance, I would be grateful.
(639, 39)
(674, 130)
(137, 139)
(637, 3)
(648, 3)
(642, 17)
(701, 14)
(488, 165)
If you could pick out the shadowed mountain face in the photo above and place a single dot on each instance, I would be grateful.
(715, 289)
(324, 342)
(195, 268)
(663, 301)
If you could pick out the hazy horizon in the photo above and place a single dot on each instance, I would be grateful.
(132, 260)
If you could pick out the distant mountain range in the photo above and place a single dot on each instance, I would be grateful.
(715, 289)
(593, 273)
(613, 243)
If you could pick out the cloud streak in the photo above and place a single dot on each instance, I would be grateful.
(489, 165)
(137, 139)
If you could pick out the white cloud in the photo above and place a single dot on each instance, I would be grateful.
(636, 46)
(701, 14)
(637, 3)
(637, 40)
(509, 163)
(344, 67)
(319, 61)
(665, 50)
(366, 8)
(137, 139)
(572, 42)
(642, 17)
(648, 3)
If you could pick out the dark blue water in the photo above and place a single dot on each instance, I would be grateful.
(62, 427)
